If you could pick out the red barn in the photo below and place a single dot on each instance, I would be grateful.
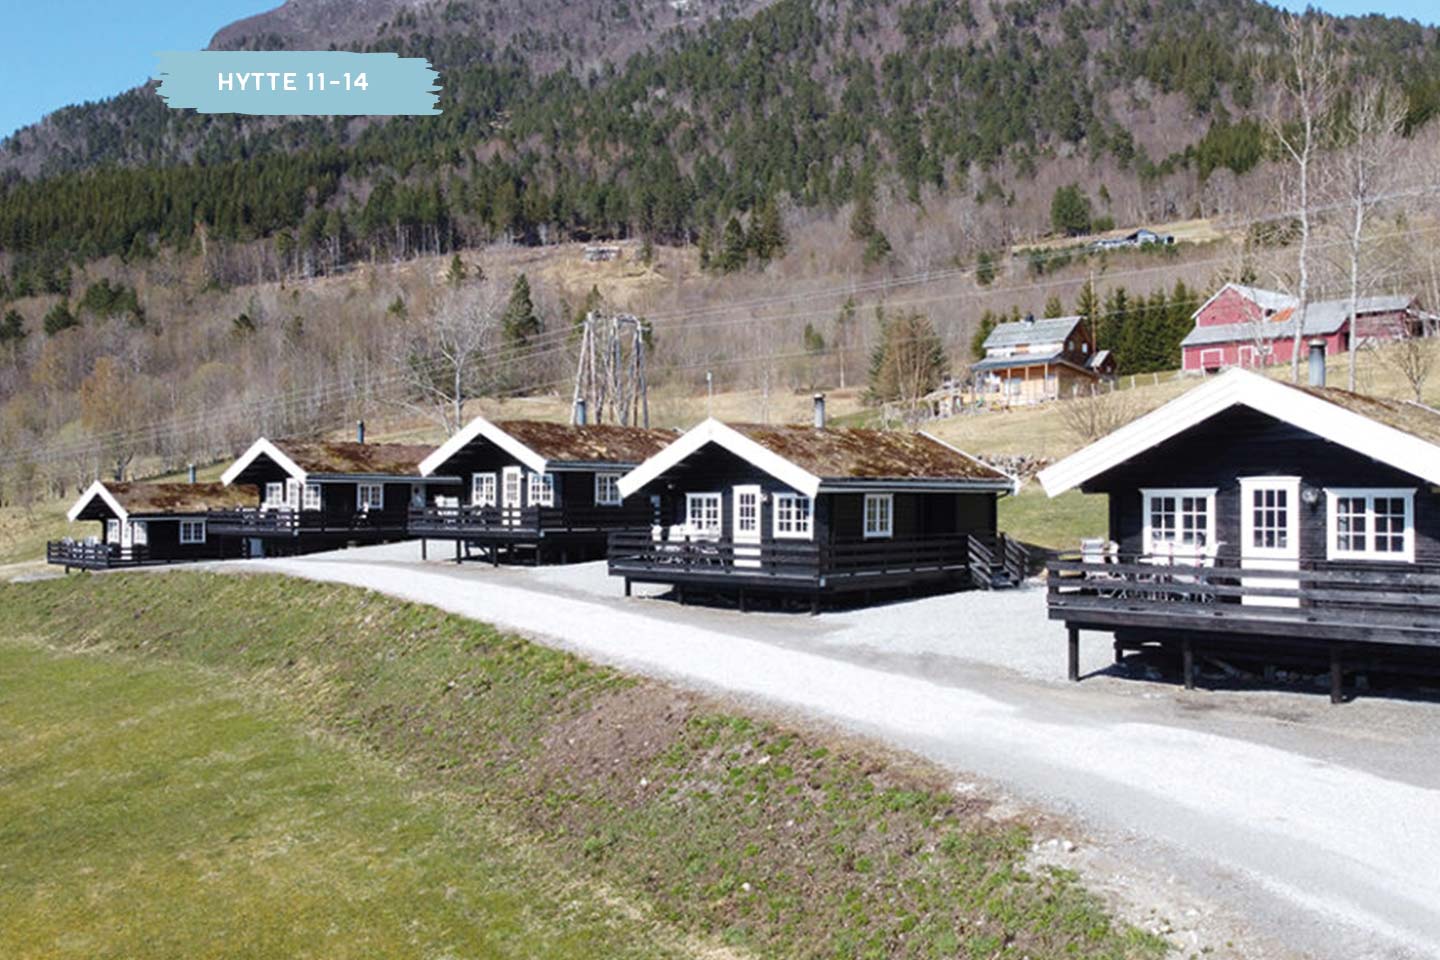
(1252, 327)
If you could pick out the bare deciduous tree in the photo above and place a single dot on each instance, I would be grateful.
(1413, 357)
(1297, 125)
(451, 356)
(1092, 412)
(1370, 143)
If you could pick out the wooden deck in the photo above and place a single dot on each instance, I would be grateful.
(1329, 608)
(525, 523)
(85, 555)
(813, 570)
(294, 523)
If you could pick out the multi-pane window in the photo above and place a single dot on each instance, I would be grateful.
(370, 496)
(482, 490)
(1371, 524)
(192, 531)
(292, 493)
(1270, 518)
(274, 495)
(311, 496)
(879, 515)
(702, 512)
(792, 515)
(1179, 519)
(512, 487)
(542, 490)
(139, 533)
(607, 489)
(112, 531)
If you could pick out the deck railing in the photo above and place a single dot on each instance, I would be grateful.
(641, 555)
(462, 521)
(1345, 602)
(93, 555)
(256, 522)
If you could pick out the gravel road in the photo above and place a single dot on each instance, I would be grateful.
(1284, 825)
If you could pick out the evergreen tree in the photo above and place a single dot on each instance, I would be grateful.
(814, 341)
(1070, 210)
(59, 318)
(519, 321)
(989, 320)
(734, 250)
(985, 268)
(909, 360)
(1087, 306)
(1054, 307)
(457, 272)
(12, 328)
(1113, 316)
(767, 233)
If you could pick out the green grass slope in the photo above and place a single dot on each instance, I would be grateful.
(394, 781)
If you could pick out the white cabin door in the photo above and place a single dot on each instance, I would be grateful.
(512, 488)
(1270, 536)
(745, 525)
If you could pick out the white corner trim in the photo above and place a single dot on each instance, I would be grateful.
(97, 489)
(713, 431)
(480, 427)
(257, 449)
(1238, 387)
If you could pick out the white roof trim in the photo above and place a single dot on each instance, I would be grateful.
(480, 427)
(1014, 480)
(96, 489)
(713, 431)
(262, 447)
(1238, 387)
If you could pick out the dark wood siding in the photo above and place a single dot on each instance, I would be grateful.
(575, 488)
(1243, 443)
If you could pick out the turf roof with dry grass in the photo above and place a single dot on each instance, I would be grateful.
(152, 499)
(842, 453)
(590, 443)
(348, 457)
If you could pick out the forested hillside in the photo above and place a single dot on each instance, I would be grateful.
(815, 103)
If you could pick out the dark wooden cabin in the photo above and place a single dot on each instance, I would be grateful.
(143, 523)
(1258, 521)
(813, 512)
(534, 490)
(319, 495)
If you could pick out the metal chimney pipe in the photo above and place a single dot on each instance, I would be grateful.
(1317, 363)
(819, 411)
(580, 413)
(359, 431)
(191, 471)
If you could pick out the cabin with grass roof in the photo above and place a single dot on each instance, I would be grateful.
(147, 523)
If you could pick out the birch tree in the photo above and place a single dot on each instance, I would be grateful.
(1370, 145)
(1297, 127)
(449, 359)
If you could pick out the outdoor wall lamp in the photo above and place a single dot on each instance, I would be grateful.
(1311, 496)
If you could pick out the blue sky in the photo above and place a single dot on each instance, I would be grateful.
(58, 52)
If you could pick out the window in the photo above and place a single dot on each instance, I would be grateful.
(702, 512)
(274, 496)
(312, 497)
(607, 489)
(192, 531)
(292, 493)
(1371, 524)
(542, 489)
(482, 490)
(1182, 518)
(139, 533)
(112, 531)
(879, 515)
(369, 496)
(792, 515)
(1270, 517)
(512, 486)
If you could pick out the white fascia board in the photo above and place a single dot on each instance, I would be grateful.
(713, 431)
(1238, 387)
(480, 427)
(262, 447)
(96, 489)
(1014, 480)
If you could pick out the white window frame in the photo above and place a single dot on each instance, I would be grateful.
(1148, 494)
(607, 490)
(139, 533)
(479, 484)
(705, 528)
(1291, 486)
(274, 495)
(878, 531)
(545, 483)
(292, 494)
(1370, 494)
(188, 532)
(369, 496)
(785, 522)
(112, 530)
(310, 497)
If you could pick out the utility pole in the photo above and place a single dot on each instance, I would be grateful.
(606, 375)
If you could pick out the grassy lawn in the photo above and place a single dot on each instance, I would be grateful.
(1058, 524)
(378, 778)
(150, 810)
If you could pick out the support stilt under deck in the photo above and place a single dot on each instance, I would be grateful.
(1073, 671)
(1337, 675)
(424, 554)
(1187, 655)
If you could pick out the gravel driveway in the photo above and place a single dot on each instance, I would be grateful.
(1319, 826)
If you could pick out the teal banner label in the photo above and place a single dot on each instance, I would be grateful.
(296, 82)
